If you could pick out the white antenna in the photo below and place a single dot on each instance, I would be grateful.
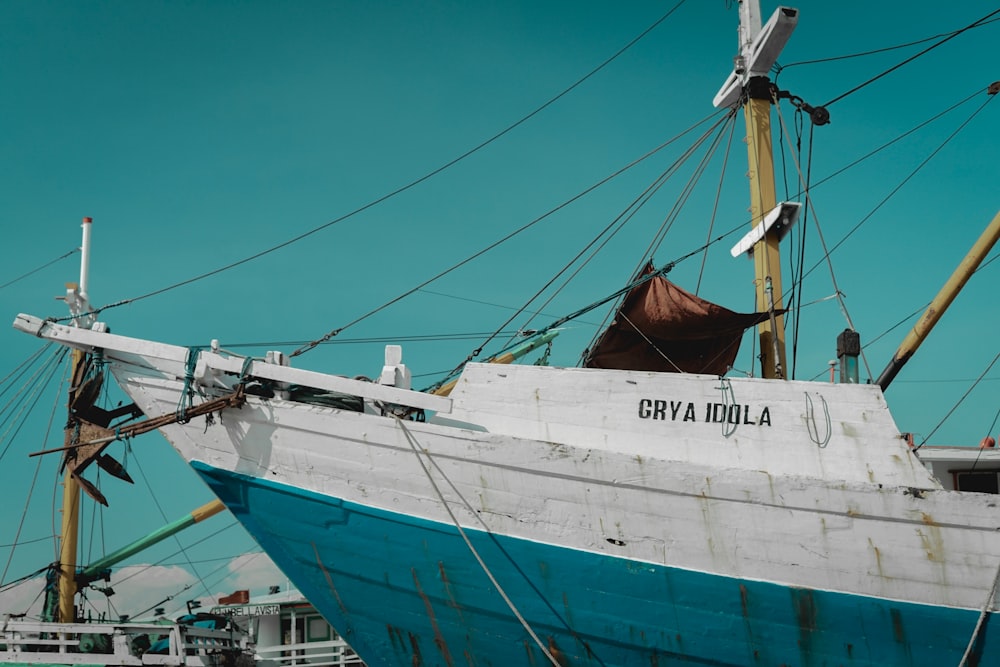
(76, 295)
(85, 258)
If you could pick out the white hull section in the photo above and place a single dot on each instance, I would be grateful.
(730, 500)
(803, 484)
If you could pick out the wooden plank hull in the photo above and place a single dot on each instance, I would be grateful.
(631, 518)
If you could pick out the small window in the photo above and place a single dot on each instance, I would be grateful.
(980, 482)
(319, 629)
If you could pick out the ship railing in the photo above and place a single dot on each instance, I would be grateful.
(332, 653)
(36, 642)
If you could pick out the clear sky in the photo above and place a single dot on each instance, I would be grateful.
(198, 134)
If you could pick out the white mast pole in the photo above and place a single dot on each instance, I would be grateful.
(85, 258)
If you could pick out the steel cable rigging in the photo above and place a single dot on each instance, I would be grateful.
(403, 188)
(778, 68)
(39, 268)
(334, 332)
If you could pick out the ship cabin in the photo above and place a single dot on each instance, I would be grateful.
(287, 630)
(964, 468)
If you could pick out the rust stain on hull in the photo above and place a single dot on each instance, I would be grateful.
(899, 631)
(329, 580)
(556, 653)
(745, 610)
(439, 641)
(452, 602)
(807, 618)
(417, 660)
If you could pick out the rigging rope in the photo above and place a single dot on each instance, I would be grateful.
(27, 397)
(181, 551)
(335, 332)
(715, 204)
(913, 173)
(37, 269)
(672, 216)
(34, 480)
(8, 382)
(826, 253)
(900, 322)
(468, 543)
(630, 211)
(597, 304)
(778, 69)
(874, 152)
(902, 136)
(673, 213)
(403, 188)
(979, 454)
(982, 617)
(960, 401)
(951, 36)
(652, 344)
(797, 278)
(163, 515)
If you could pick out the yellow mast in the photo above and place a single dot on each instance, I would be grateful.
(766, 253)
(76, 298)
(70, 531)
(749, 84)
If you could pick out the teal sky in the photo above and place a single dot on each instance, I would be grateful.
(198, 134)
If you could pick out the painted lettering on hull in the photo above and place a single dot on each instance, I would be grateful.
(713, 413)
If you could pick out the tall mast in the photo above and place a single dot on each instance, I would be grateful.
(750, 86)
(76, 298)
(70, 530)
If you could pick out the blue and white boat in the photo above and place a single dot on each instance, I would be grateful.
(610, 515)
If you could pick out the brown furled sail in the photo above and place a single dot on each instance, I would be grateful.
(661, 327)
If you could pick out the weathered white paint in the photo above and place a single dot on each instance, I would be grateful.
(828, 496)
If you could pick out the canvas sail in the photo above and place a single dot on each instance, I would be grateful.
(661, 327)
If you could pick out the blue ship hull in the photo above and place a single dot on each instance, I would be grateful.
(405, 591)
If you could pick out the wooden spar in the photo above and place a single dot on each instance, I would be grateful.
(766, 253)
(233, 400)
(948, 292)
(69, 533)
(71, 487)
(68, 580)
(205, 511)
(749, 84)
